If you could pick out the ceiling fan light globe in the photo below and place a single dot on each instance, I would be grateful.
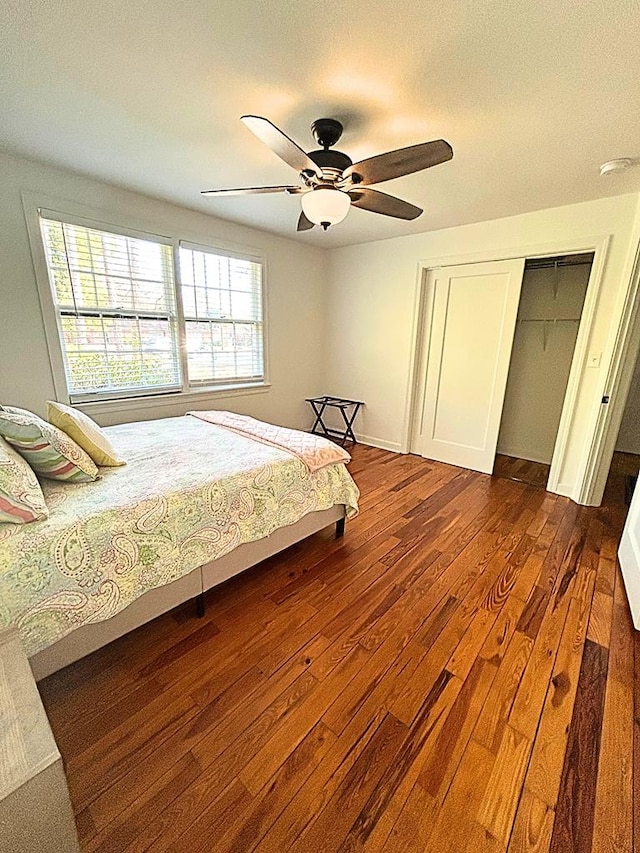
(325, 206)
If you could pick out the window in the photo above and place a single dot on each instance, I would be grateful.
(121, 327)
(222, 305)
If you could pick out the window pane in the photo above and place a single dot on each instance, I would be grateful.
(62, 286)
(89, 370)
(200, 367)
(242, 306)
(128, 271)
(116, 305)
(105, 353)
(155, 336)
(189, 302)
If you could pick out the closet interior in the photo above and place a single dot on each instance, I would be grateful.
(549, 313)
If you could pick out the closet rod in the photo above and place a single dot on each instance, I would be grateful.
(549, 319)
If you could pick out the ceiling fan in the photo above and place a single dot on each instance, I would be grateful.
(330, 182)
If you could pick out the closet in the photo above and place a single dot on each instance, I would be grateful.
(549, 313)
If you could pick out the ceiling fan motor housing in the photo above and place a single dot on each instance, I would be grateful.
(331, 159)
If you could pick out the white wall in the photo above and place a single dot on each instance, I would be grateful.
(629, 435)
(541, 360)
(296, 276)
(372, 303)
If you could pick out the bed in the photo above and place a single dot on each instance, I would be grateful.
(195, 504)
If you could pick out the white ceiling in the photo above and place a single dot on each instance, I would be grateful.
(532, 96)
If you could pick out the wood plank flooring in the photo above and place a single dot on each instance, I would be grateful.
(523, 470)
(456, 673)
(625, 463)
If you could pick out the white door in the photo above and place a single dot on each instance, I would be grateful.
(469, 318)
(629, 556)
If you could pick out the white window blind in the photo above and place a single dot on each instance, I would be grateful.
(115, 302)
(222, 306)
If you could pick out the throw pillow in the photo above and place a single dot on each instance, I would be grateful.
(21, 498)
(85, 432)
(47, 449)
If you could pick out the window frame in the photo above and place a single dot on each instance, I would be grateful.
(36, 206)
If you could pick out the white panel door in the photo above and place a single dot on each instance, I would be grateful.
(469, 322)
(629, 556)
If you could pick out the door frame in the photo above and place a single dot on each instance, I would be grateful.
(625, 352)
(599, 246)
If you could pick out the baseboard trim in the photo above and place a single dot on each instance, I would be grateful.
(565, 491)
(530, 457)
(383, 444)
(635, 452)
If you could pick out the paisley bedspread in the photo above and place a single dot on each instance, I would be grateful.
(190, 492)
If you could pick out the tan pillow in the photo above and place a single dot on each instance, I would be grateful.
(85, 432)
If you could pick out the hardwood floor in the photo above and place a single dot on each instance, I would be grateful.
(456, 674)
(522, 470)
(625, 463)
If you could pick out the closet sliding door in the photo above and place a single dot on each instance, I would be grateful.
(468, 327)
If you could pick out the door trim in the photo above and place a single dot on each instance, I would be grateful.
(578, 366)
(617, 384)
(599, 246)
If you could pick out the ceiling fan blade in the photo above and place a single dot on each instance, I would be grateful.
(254, 190)
(281, 145)
(378, 202)
(304, 224)
(402, 161)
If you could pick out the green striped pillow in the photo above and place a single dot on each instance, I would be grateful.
(47, 449)
(21, 498)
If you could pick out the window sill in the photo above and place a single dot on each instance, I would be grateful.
(194, 397)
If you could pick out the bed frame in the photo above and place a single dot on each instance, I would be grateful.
(88, 638)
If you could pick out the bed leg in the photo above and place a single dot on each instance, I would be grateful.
(340, 523)
(200, 605)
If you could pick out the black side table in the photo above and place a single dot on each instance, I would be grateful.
(349, 410)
